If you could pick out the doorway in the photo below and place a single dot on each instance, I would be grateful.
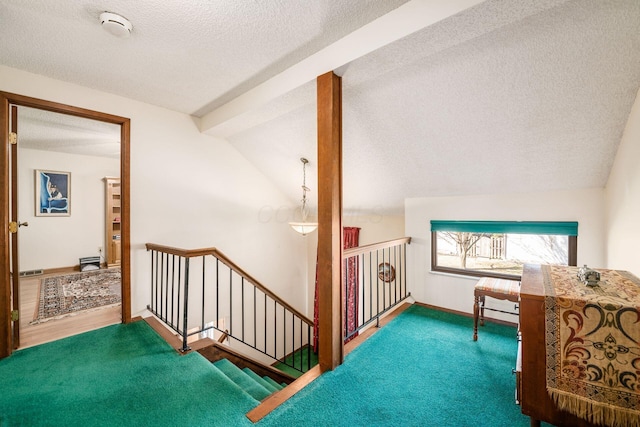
(9, 273)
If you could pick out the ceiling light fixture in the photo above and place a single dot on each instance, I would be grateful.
(116, 25)
(304, 227)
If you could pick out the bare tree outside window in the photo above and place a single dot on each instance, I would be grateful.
(464, 242)
(498, 254)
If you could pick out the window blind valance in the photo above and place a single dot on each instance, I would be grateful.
(566, 228)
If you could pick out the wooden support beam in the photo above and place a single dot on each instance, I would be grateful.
(329, 92)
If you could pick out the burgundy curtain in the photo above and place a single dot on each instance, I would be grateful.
(350, 282)
(350, 239)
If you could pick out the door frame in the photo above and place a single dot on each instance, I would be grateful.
(7, 99)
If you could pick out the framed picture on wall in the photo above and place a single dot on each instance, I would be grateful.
(53, 193)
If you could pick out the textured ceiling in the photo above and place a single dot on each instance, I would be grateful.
(186, 55)
(505, 96)
(44, 130)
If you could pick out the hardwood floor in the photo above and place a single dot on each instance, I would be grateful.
(52, 330)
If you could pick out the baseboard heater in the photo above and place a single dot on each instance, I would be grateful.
(27, 273)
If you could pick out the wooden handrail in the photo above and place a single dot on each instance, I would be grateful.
(348, 253)
(191, 253)
(187, 253)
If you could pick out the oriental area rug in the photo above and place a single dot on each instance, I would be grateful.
(62, 296)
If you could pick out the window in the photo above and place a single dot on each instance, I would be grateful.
(500, 248)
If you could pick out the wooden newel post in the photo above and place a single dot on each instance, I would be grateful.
(329, 87)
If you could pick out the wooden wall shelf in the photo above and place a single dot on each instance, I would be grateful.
(113, 225)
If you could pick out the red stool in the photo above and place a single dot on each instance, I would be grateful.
(495, 288)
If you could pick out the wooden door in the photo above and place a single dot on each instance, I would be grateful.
(15, 268)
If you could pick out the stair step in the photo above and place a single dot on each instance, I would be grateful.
(260, 380)
(247, 383)
(274, 383)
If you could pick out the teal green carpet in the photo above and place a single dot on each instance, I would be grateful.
(122, 375)
(422, 369)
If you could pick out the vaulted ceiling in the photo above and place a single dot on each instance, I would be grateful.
(440, 97)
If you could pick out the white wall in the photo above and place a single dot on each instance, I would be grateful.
(53, 242)
(456, 292)
(376, 228)
(188, 190)
(622, 196)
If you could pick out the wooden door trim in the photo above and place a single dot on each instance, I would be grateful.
(14, 214)
(5, 289)
(7, 99)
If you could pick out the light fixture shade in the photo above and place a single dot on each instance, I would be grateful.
(304, 228)
(115, 24)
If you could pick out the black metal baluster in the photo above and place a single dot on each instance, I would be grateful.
(403, 284)
(180, 285)
(217, 293)
(242, 310)
(173, 282)
(363, 298)
(255, 320)
(370, 287)
(203, 290)
(230, 301)
(301, 341)
(405, 269)
(162, 285)
(309, 347)
(154, 283)
(384, 286)
(377, 282)
(185, 320)
(293, 340)
(166, 295)
(395, 282)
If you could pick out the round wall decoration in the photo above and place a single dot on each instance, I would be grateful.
(386, 272)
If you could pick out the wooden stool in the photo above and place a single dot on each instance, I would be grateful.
(495, 288)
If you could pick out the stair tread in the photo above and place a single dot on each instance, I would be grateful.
(274, 383)
(248, 384)
(238, 387)
(260, 380)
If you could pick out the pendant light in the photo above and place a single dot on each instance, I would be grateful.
(304, 227)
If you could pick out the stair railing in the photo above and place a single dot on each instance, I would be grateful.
(200, 290)
(380, 270)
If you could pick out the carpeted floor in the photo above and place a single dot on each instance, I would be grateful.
(422, 369)
(121, 375)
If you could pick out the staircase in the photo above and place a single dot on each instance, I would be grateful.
(254, 378)
(248, 381)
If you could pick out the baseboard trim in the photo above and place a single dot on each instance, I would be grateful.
(462, 313)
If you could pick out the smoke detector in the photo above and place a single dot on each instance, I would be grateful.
(115, 24)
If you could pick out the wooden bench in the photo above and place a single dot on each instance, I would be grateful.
(501, 289)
